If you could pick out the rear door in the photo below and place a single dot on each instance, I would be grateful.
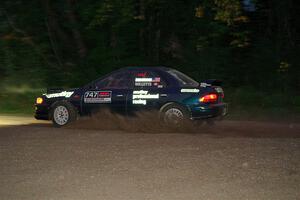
(109, 93)
(149, 91)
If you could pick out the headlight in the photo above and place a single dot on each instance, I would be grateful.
(39, 100)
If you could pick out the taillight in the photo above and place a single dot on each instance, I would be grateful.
(209, 98)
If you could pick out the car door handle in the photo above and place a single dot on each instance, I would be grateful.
(163, 95)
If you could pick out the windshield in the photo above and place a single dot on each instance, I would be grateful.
(183, 79)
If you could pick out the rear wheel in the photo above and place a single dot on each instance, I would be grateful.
(174, 115)
(63, 113)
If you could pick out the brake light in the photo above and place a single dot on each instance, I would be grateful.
(209, 98)
(39, 100)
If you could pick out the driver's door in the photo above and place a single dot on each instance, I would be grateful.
(108, 93)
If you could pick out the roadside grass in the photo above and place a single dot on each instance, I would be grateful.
(18, 103)
(264, 114)
(244, 104)
(250, 104)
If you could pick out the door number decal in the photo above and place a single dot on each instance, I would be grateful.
(97, 97)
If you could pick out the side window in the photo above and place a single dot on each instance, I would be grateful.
(120, 80)
(148, 79)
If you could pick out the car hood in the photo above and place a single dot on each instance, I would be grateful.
(55, 93)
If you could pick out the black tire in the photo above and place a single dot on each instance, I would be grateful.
(174, 115)
(62, 113)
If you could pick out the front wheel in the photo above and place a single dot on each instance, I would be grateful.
(63, 113)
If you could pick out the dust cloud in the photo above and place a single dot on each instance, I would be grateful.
(149, 122)
(142, 122)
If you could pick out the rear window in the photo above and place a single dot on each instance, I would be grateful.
(183, 79)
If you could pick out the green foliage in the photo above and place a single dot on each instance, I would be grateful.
(18, 103)
(113, 12)
(248, 102)
(69, 43)
(227, 10)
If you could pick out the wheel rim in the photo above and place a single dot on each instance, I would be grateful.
(173, 116)
(61, 115)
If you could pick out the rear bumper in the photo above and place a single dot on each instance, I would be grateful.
(209, 111)
(42, 112)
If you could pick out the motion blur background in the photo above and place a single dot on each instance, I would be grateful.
(252, 45)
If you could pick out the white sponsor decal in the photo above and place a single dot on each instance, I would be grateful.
(147, 82)
(143, 80)
(141, 96)
(61, 94)
(143, 84)
(190, 90)
(140, 92)
(147, 96)
(205, 85)
(139, 102)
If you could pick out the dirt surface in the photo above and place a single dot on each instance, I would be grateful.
(233, 160)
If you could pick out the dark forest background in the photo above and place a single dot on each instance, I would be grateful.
(252, 45)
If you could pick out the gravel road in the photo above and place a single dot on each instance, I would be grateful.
(234, 160)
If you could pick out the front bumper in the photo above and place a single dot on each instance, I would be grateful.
(209, 111)
(42, 112)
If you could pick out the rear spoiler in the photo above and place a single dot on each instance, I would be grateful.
(210, 82)
(54, 90)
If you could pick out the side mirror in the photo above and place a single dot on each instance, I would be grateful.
(92, 86)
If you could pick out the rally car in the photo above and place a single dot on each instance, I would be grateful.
(173, 95)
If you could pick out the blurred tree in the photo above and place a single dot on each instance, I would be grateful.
(71, 42)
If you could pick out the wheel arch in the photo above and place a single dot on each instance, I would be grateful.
(175, 103)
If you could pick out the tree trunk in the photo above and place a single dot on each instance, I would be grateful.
(157, 46)
(53, 44)
(53, 24)
(142, 29)
(30, 41)
(81, 48)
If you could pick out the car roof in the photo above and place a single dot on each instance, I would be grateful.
(133, 68)
(159, 68)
